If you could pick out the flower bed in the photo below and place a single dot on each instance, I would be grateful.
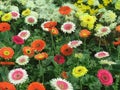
(59, 45)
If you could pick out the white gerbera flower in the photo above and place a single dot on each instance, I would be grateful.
(61, 84)
(31, 20)
(103, 31)
(24, 34)
(17, 76)
(101, 54)
(75, 43)
(107, 62)
(22, 60)
(68, 27)
(15, 15)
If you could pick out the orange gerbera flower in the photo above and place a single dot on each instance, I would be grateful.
(116, 43)
(84, 33)
(118, 28)
(4, 27)
(6, 52)
(50, 24)
(41, 56)
(64, 75)
(65, 10)
(54, 31)
(36, 86)
(66, 50)
(38, 45)
(29, 51)
(7, 63)
(7, 86)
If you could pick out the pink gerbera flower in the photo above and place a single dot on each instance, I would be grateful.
(59, 59)
(61, 84)
(15, 15)
(105, 77)
(17, 76)
(17, 39)
(24, 34)
(68, 27)
(101, 54)
(31, 20)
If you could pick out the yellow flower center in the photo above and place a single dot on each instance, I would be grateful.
(6, 53)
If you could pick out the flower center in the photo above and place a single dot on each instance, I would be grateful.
(22, 60)
(23, 34)
(74, 42)
(67, 26)
(31, 20)
(101, 54)
(104, 29)
(28, 51)
(17, 75)
(62, 85)
(14, 14)
(6, 53)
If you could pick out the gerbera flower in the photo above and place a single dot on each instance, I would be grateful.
(101, 54)
(7, 86)
(31, 20)
(105, 77)
(64, 75)
(103, 31)
(41, 56)
(66, 50)
(4, 26)
(75, 43)
(26, 12)
(65, 10)
(22, 60)
(79, 71)
(54, 31)
(48, 25)
(84, 33)
(36, 86)
(116, 43)
(61, 84)
(24, 34)
(38, 45)
(59, 59)
(15, 15)
(17, 40)
(29, 51)
(7, 63)
(6, 17)
(6, 52)
(107, 62)
(17, 76)
(117, 28)
(68, 27)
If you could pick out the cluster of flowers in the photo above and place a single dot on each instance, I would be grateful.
(76, 23)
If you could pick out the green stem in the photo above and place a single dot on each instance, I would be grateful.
(53, 44)
(84, 45)
(118, 52)
(80, 85)
(99, 44)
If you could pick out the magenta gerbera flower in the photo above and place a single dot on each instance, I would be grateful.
(105, 77)
(59, 59)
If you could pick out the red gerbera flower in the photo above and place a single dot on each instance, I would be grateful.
(7, 63)
(38, 45)
(65, 10)
(4, 26)
(66, 50)
(7, 86)
(59, 59)
(36, 86)
(50, 24)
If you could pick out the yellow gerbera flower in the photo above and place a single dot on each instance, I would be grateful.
(117, 5)
(6, 17)
(26, 12)
(79, 71)
(90, 2)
